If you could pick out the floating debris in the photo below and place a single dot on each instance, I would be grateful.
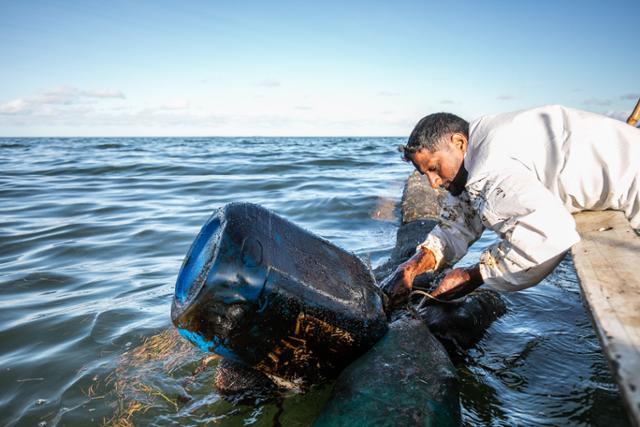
(257, 289)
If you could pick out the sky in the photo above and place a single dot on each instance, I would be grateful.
(301, 68)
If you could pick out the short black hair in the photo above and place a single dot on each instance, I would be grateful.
(430, 131)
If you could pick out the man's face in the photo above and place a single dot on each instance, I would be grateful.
(444, 167)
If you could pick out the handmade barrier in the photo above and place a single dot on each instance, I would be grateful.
(406, 379)
(261, 291)
(287, 308)
(461, 324)
(241, 384)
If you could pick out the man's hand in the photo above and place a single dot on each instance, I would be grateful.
(458, 283)
(398, 284)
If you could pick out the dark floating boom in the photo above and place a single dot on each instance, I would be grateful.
(288, 309)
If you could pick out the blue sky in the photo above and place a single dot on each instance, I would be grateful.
(76, 68)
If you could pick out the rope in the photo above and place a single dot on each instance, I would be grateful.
(427, 296)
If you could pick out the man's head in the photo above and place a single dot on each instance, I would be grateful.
(436, 148)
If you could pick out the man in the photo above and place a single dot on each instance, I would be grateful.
(521, 175)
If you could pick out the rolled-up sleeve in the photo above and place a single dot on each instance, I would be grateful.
(535, 227)
(459, 227)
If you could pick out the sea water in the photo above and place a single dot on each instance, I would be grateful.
(93, 232)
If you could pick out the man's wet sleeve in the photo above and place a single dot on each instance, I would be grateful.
(535, 227)
(459, 227)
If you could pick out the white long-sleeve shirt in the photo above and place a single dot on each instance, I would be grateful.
(528, 171)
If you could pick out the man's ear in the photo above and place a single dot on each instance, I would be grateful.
(459, 141)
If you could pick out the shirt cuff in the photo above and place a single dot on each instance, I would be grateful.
(488, 266)
(435, 245)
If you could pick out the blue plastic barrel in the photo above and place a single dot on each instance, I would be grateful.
(264, 292)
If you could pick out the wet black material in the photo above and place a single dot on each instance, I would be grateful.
(406, 379)
(257, 289)
(408, 237)
(461, 324)
(230, 286)
(239, 384)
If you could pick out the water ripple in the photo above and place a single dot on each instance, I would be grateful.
(94, 230)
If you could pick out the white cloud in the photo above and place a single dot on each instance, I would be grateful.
(17, 106)
(42, 102)
(69, 95)
(175, 104)
(269, 83)
(630, 96)
(597, 102)
(105, 93)
(619, 115)
(69, 110)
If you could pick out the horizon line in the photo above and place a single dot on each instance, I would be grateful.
(208, 136)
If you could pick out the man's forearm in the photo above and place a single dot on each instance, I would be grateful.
(458, 283)
(398, 285)
(421, 262)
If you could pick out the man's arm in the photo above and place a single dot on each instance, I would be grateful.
(460, 226)
(458, 283)
(398, 284)
(536, 230)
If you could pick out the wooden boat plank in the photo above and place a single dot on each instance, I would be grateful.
(607, 261)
